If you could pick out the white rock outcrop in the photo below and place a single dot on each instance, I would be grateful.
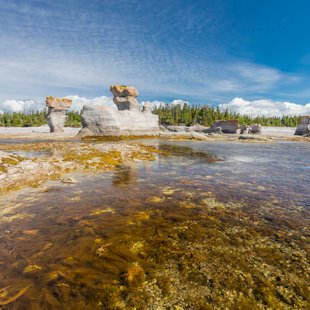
(128, 120)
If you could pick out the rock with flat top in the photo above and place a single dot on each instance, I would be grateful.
(124, 91)
(56, 115)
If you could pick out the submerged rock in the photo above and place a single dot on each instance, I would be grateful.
(56, 115)
(126, 121)
(304, 127)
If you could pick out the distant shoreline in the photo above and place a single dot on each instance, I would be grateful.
(71, 132)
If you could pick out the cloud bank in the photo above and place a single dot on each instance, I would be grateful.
(265, 107)
(262, 107)
(78, 102)
(26, 105)
(29, 105)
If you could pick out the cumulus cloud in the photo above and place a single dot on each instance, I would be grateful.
(26, 105)
(78, 102)
(29, 105)
(265, 107)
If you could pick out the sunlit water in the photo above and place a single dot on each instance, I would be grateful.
(128, 238)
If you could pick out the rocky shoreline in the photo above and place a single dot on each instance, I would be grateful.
(67, 152)
(57, 159)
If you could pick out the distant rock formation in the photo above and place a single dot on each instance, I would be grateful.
(304, 127)
(230, 126)
(255, 129)
(244, 129)
(56, 115)
(128, 120)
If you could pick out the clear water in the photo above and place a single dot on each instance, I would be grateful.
(210, 225)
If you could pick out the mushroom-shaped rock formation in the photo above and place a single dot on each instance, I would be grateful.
(56, 115)
(125, 97)
(304, 127)
(127, 120)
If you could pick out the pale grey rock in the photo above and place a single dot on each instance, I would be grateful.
(69, 180)
(199, 136)
(126, 103)
(230, 126)
(255, 138)
(106, 121)
(128, 120)
(304, 127)
(56, 115)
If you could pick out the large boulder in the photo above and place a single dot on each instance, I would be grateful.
(106, 121)
(230, 126)
(56, 115)
(304, 127)
(127, 120)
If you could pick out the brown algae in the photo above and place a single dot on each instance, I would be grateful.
(141, 241)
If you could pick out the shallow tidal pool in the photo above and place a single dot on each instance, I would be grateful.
(218, 225)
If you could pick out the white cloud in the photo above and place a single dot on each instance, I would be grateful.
(265, 107)
(78, 102)
(28, 105)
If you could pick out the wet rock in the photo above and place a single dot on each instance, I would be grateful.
(56, 115)
(304, 127)
(254, 138)
(199, 136)
(126, 121)
(69, 180)
(31, 269)
(194, 128)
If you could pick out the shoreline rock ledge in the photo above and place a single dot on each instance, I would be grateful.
(56, 115)
(126, 120)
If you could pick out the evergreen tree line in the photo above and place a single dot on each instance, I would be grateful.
(206, 115)
(35, 119)
(168, 115)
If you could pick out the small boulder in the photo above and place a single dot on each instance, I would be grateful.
(255, 129)
(304, 127)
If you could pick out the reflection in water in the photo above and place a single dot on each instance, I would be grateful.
(124, 175)
(197, 234)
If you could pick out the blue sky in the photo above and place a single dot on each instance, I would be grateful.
(203, 51)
